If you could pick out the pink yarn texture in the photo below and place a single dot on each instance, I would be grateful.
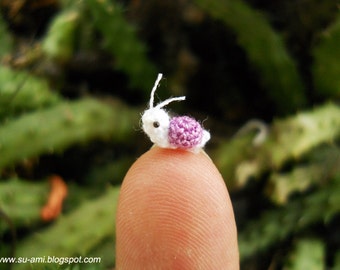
(185, 132)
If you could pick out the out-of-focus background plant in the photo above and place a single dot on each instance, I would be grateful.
(75, 75)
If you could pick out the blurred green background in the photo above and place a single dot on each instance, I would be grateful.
(264, 76)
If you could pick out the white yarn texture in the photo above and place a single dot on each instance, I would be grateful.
(156, 121)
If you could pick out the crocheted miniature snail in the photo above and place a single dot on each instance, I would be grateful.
(181, 132)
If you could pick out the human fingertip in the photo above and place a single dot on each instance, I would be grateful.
(174, 212)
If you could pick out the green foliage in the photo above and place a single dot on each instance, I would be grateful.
(60, 40)
(288, 139)
(6, 44)
(22, 207)
(110, 172)
(326, 66)
(121, 41)
(304, 137)
(265, 50)
(337, 261)
(19, 87)
(76, 233)
(274, 226)
(307, 254)
(282, 185)
(80, 130)
(58, 127)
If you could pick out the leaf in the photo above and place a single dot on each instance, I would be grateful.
(326, 67)
(265, 50)
(58, 127)
(6, 43)
(307, 254)
(22, 92)
(60, 39)
(120, 39)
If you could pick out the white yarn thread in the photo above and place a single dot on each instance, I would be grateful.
(165, 102)
(154, 115)
(205, 138)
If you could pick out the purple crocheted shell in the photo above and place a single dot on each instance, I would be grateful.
(185, 132)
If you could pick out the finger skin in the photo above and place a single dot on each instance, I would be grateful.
(174, 212)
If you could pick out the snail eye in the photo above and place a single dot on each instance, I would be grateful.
(155, 124)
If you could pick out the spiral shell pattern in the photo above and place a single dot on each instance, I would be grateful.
(185, 132)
